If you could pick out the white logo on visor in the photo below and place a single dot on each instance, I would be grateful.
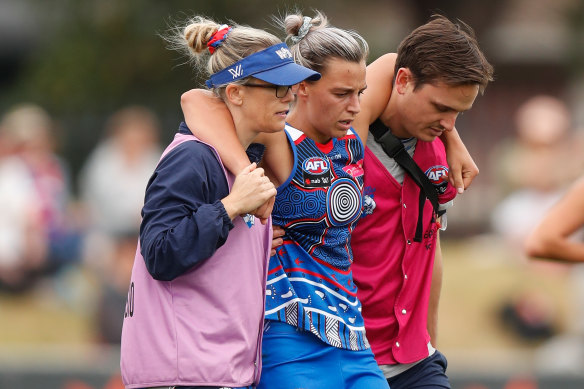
(236, 71)
(284, 53)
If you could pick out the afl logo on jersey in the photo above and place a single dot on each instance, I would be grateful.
(315, 165)
(437, 176)
(316, 173)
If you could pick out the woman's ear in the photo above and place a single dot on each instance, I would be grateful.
(301, 89)
(234, 94)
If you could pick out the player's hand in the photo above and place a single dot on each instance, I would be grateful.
(250, 190)
(462, 172)
(278, 233)
(462, 168)
(265, 210)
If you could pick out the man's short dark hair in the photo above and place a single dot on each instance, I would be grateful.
(443, 51)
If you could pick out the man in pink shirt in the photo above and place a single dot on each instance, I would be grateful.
(439, 71)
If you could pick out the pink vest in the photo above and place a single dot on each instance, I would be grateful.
(203, 328)
(393, 273)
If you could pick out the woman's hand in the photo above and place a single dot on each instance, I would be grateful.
(250, 190)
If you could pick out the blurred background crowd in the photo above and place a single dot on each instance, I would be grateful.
(89, 95)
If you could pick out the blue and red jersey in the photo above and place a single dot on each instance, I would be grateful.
(310, 283)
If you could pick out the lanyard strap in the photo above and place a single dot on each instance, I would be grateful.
(395, 149)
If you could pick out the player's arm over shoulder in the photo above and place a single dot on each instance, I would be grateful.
(278, 158)
(375, 98)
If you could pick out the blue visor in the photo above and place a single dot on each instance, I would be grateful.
(274, 65)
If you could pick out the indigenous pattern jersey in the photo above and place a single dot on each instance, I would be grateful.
(310, 283)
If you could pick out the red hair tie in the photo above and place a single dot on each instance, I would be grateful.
(218, 38)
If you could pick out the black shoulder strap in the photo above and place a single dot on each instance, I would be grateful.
(394, 148)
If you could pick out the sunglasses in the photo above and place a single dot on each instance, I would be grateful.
(281, 90)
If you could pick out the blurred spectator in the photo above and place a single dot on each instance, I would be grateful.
(36, 234)
(114, 177)
(22, 243)
(112, 185)
(534, 170)
(535, 167)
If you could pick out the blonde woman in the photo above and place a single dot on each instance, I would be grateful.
(195, 308)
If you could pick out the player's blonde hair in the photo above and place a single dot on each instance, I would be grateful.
(240, 42)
